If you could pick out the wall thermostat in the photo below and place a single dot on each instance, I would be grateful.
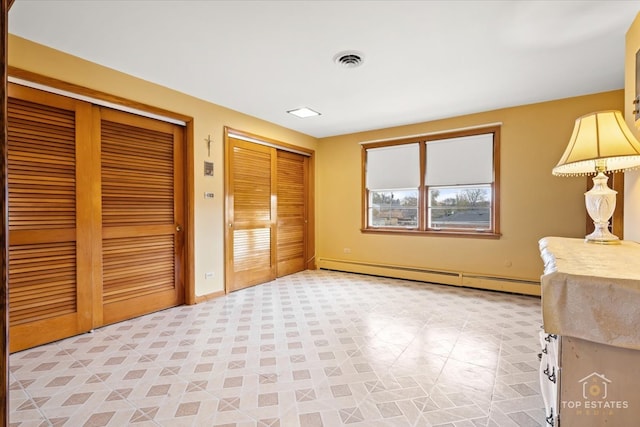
(208, 168)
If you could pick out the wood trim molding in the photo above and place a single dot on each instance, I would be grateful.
(207, 297)
(250, 137)
(51, 82)
(4, 291)
(190, 297)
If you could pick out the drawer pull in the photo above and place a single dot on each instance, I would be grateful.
(550, 374)
(549, 419)
(543, 351)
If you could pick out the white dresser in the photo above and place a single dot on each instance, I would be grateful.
(590, 359)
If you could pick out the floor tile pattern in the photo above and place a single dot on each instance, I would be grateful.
(317, 348)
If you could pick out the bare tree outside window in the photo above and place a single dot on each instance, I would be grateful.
(398, 208)
(460, 207)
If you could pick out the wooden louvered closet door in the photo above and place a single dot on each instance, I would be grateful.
(50, 225)
(142, 215)
(251, 214)
(96, 206)
(292, 212)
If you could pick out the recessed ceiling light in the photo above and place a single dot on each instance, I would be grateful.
(303, 112)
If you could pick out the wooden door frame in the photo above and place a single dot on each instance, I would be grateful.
(5, 5)
(98, 95)
(247, 136)
(39, 79)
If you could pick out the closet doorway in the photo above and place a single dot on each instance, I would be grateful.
(269, 202)
(96, 201)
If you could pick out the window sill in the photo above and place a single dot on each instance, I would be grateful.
(443, 233)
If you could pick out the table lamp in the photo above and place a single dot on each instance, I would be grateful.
(601, 142)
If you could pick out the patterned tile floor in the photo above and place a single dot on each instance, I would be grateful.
(317, 348)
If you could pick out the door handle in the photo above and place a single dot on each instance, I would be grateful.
(178, 228)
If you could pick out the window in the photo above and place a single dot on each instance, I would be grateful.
(393, 182)
(394, 208)
(445, 183)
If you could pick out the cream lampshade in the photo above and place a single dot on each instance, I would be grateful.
(601, 142)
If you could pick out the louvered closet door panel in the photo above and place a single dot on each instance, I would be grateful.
(291, 213)
(45, 191)
(251, 258)
(142, 214)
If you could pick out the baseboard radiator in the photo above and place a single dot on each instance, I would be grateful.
(479, 281)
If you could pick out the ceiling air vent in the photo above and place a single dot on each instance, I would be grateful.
(350, 59)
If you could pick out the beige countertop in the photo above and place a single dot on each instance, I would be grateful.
(591, 291)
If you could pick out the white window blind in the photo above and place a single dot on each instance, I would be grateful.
(393, 167)
(460, 161)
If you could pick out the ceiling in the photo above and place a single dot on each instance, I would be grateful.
(423, 60)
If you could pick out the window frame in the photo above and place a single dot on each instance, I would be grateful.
(423, 191)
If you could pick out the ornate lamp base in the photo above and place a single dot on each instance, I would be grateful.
(601, 202)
